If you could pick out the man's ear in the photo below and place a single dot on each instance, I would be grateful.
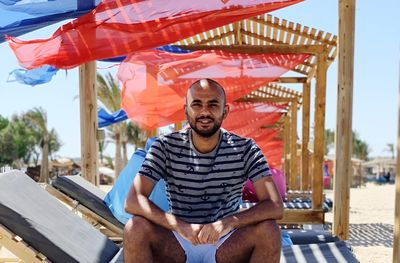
(226, 110)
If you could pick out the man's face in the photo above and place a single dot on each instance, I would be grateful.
(205, 109)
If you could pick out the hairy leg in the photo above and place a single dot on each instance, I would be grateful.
(256, 243)
(148, 242)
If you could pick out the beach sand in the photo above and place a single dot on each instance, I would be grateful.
(371, 223)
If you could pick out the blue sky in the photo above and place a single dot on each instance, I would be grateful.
(376, 76)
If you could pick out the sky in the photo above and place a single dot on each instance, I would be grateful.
(376, 76)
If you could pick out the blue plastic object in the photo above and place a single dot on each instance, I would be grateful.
(115, 199)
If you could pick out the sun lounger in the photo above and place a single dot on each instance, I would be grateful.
(86, 198)
(37, 228)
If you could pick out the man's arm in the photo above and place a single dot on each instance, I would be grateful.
(270, 206)
(139, 204)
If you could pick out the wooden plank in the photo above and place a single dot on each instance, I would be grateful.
(265, 100)
(278, 48)
(293, 147)
(302, 216)
(238, 33)
(319, 131)
(19, 248)
(305, 134)
(292, 80)
(286, 149)
(178, 126)
(343, 169)
(88, 121)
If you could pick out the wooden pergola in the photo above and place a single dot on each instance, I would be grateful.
(246, 35)
(268, 34)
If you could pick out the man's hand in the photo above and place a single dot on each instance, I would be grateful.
(211, 233)
(190, 232)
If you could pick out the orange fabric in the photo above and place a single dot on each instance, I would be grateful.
(119, 27)
(154, 83)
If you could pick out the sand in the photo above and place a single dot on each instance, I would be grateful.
(371, 223)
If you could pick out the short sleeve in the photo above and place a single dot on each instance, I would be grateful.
(154, 164)
(256, 165)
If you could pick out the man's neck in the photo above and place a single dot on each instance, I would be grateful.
(205, 144)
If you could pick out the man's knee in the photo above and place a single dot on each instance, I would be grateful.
(137, 226)
(268, 228)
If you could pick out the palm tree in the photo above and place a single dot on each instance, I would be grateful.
(108, 93)
(37, 120)
(124, 132)
(360, 148)
(390, 148)
(329, 139)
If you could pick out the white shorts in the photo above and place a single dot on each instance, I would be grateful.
(203, 253)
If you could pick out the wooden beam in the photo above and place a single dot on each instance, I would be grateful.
(305, 134)
(286, 150)
(396, 230)
(292, 80)
(19, 247)
(319, 131)
(343, 132)
(302, 216)
(178, 126)
(267, 100)
(294, 183)
(277, 48)
(88, 115)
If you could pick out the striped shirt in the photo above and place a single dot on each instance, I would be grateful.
(203, 188)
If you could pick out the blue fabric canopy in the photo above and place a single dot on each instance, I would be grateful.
(106, 119)
(19, 17)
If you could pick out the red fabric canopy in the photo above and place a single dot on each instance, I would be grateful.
(119, 27)
(154, 83)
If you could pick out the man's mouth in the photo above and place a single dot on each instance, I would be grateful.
(205, 121)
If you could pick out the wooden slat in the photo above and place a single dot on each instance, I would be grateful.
(88, 121)
(300, 49)
(286, 150)
(305, 172)
(292, 80)
(302, 216)
(293, 146)
(319, 131)
(19, 248)
(343, 169)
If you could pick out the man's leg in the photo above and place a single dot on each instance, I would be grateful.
(148, 242)
(255, 243)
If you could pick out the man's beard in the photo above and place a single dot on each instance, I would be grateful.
(205, 133)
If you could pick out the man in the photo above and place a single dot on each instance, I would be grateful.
(205, 168)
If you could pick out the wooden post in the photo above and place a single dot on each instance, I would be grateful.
(319, 131)
(293, 146)
(343, 133)
(286, 150)
(88, 109)
(305, 172)
(178, 126)
(396, 237)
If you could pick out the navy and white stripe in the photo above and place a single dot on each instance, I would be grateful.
(203, 188)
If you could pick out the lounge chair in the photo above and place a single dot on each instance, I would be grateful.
(36, 227)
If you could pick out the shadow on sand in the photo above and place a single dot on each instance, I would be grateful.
(366, 235)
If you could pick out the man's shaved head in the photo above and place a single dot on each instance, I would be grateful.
(207, 84)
